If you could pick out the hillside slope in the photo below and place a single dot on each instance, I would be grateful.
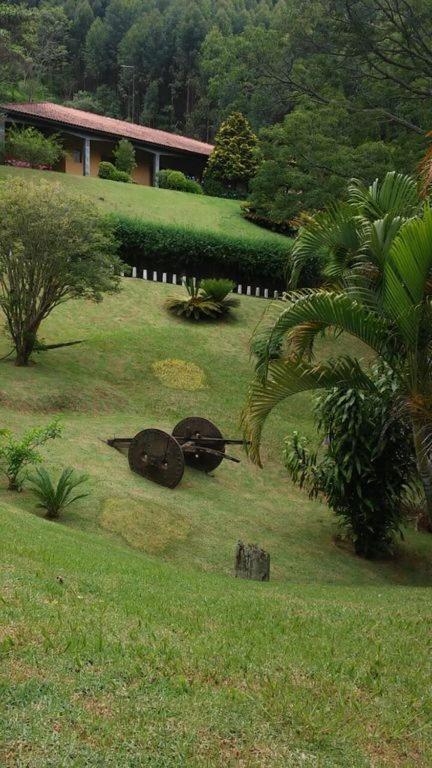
(108, 386)
(158, 205)
(111, 659)
(126, 642)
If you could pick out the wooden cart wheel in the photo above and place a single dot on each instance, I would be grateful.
(157, 455)
(195, 427)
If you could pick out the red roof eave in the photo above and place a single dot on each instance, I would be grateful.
(88, 121)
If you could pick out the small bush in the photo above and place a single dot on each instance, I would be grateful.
(200, 305)
(364, 465)
(171, 248)
(124, 155)
(170, 179)
(15, 455)
(217, 289)
(54, 498)
(109, 171)
(30, 147)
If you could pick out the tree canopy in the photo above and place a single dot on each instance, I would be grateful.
(346, 79)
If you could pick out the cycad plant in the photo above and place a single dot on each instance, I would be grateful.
(56, 497)
(384, 299)
(205, 300)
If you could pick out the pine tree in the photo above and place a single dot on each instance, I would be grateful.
(234, 160)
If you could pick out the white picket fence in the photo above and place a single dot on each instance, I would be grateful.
(153, 275)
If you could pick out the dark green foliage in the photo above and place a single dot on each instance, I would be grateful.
(308, 161)
(203, 302)
(124, 155)
(177, 249)
(365, 464)
(215, 188)
(31, 146)
(109, 171)
(170, 179)
(55, 498)
(235, 159)
(16, 454)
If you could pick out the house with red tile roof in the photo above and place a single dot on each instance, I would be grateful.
(89, 138)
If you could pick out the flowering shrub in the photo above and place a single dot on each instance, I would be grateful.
(29, 148)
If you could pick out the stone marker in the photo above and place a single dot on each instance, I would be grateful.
(251, 562)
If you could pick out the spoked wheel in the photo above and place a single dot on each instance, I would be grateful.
(156, 455)
(197, 428)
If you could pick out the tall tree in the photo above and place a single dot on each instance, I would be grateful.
(234, 159)
(385, 302)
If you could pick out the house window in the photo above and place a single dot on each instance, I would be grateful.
(77, 156)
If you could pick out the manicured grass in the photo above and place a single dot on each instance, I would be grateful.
(112, 659)
(158, 205)
(125, 639)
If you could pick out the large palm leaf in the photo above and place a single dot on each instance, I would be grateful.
(310, 313)
(289, 377)
(396, 194)
(329, 237)
(406, 275)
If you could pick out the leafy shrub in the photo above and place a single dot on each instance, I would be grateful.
(55, 498)
(217, 289)
(282, 226)
(177, 249)
(15, 454)
(124, 155)
(367, 463)
(31, 147)
(200, 305)
(170, 179)
(109, 171)
(214, 188)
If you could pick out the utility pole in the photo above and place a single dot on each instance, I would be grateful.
(130, 66)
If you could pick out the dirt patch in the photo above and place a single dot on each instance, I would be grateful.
(145, 524)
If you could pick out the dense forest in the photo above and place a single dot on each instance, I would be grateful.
(335, 87)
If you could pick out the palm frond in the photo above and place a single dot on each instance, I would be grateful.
(395, 194)
(406, 274)
(289, 377)
(331, 234)
(315, 311)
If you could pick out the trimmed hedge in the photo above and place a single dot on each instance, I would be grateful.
(169, 179)
(174, 249)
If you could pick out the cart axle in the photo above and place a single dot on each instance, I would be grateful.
(161, 457)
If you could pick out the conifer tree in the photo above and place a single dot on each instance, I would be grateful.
(234, 160)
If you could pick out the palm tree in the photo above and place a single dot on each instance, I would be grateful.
(385, 301)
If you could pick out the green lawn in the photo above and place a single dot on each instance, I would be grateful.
(158, 205)
(125, 639)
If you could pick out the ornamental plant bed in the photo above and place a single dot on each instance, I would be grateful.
(25, 164)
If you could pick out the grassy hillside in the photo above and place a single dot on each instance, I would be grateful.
(125, 639)
(114, 660)
(158, 205)
(107, 386)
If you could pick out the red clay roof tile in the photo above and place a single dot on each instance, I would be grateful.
(77, 118)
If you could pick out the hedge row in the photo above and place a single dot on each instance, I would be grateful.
(168, 248)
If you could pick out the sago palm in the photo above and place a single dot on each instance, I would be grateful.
(392, 315)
